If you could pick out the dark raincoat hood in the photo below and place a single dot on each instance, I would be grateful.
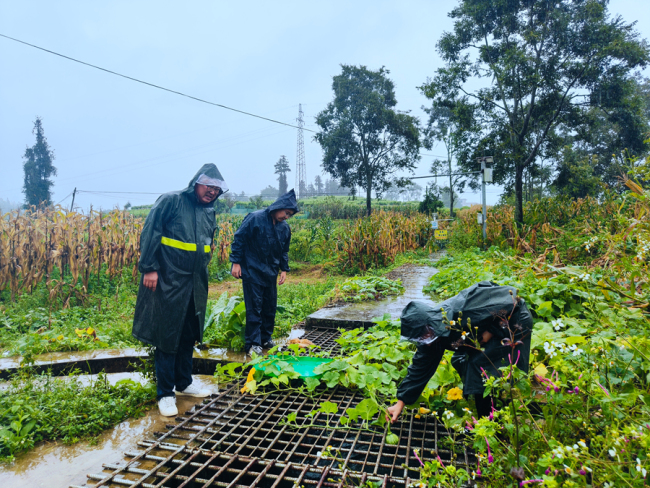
(478, 303)
(288, 201)
(261, 247)
(209, 170)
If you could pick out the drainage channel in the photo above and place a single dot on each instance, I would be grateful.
(236, 440)
(244, 440)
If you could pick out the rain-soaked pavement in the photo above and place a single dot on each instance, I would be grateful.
(413, 277)
(59, 465)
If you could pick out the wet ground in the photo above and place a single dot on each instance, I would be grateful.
(59, 465)
(414, 278)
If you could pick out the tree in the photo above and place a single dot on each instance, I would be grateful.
(282, 168)
(542, 65)
(318, 183)
(38, 169)
(451, 122)
(364, 138)
(576, 177)
(410, 192)
(257, 201)
(228, 200)
(431, 202)
(271, 193)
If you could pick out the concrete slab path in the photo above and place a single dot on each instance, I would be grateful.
(414, 278)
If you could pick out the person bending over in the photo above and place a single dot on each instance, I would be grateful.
(497, 317)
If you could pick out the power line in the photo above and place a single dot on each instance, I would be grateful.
(173, 91)
(152, 84)
(64, 198)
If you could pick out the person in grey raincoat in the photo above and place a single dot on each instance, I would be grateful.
(260, 250)
(487, 306)
(175, 249)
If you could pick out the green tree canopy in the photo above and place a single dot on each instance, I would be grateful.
(281, 169)
(38, 169)
(364, 138)
(530, 69)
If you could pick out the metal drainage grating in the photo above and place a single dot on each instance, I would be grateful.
(242, 440)
(325, 337)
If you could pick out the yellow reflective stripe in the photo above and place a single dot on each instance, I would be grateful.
(206, 249)
(185, 246)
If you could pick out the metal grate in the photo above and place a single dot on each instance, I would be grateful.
(325, 337)
(242, 440)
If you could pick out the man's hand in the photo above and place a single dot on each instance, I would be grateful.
(283, 278)
(393, 413)
(150, 280)
(485, 338)
(236, 270)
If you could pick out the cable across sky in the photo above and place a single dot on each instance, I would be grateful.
(176, 92)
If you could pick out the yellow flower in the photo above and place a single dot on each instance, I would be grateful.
(250, 378)
(417, 416)
(424, 411)
(540, 370)
(251, 373)
(455, 394)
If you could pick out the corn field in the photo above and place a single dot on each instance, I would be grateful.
(376, 240)
(560, 229)
(50, 244)
(64, 249)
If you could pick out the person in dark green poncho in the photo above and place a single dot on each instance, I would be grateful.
(502, 321)
(175, 249)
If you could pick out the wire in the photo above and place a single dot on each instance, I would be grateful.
(64, 198)
(173, 91)
(154, 85)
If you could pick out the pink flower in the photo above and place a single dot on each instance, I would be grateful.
(418, 458)
(603, 388)
(527, 482)
(490, 457)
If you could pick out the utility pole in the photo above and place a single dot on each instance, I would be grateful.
(301, 170)
(73, 195)
(486, 177)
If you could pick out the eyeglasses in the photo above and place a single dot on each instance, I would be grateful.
(215, 189)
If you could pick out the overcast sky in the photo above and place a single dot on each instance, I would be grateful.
(110, 134)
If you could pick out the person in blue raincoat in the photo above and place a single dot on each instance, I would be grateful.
(175, 249)
(260, 251)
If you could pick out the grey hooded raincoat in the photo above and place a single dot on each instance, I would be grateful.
(176, 242)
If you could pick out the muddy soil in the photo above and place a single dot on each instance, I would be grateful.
(308, 274)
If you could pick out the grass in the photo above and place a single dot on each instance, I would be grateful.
(44, 408)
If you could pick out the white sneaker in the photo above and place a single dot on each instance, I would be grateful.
(167, 406)
(194, 391)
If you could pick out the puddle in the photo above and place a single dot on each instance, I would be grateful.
(53, 464)
(413, 277)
